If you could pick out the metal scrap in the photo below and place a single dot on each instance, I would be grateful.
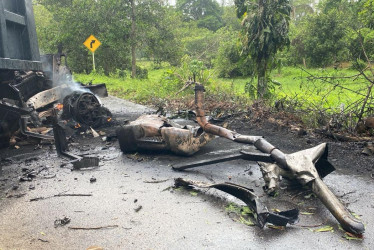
(263, 215)
(62, 148)
(153, 132)
(306, 166)
(85, 108)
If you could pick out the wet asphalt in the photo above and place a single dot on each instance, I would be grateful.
(132, 204)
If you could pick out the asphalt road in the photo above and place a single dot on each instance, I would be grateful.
(132, 205)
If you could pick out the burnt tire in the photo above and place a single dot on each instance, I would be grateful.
(127, 140)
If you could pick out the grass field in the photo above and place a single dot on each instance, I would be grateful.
(294, 85)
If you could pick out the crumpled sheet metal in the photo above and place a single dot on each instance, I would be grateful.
(301, 166)
(308, 167)
(272, 175)
(153, 132)
(263, 216)
(185, 141)
(301, 163)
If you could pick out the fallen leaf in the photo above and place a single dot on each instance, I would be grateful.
(306, 213)
(356, 215)
(95, 248)
(351, 236)
(246, 211)
(193, 193)
(324, 229)
(232, 207)
(246, 222)
(309, 196)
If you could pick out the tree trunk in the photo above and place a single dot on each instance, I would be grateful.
(133, 40)
(261, 80)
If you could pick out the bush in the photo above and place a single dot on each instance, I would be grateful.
(141, 73)
(229, 61)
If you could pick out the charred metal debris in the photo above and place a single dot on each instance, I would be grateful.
(154, 132)
(307, 167)
(79, 162)
(28, 98)
(262, 214)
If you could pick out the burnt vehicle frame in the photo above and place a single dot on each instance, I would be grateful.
(31, 84)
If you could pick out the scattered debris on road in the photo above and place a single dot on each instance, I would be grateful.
(62, 222)
(306, 166)
(261, 213)
(94, 228)
(59, 195)
(137, 209)
(62, 148)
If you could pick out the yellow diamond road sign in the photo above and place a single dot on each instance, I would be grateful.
(92, 43)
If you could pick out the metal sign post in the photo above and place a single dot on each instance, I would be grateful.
(93, 61)
(92, 43)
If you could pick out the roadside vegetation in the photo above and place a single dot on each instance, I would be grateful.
(310, 58)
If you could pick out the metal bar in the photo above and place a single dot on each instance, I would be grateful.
(3, 33)
(208, 162)
(302, 164)
(15, 18)
(31, 31)
(254, 156)
(15, 64)
(250, 156)
(346, 220)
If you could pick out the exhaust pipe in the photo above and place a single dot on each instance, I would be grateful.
(307, 166)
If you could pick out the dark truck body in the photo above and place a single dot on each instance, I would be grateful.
(18, 41)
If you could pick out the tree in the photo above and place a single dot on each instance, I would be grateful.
(301, 8)
(207, 13)
(133, 39)
(265, 32)
(328, 35)
(158, 25)
(107, 20)
(229, 62)
(126, 28)
(324, 40)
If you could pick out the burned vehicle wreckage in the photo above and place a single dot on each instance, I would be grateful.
(38, 91)
(307, 167)
(31, 86)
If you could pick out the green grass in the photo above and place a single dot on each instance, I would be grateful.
(294, 85)
(139, 90)
(327, 92)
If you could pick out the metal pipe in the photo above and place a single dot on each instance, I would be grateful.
(304, 169)
(214, 129)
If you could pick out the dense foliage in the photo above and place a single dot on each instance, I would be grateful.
(319, 33)
(265, 32)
